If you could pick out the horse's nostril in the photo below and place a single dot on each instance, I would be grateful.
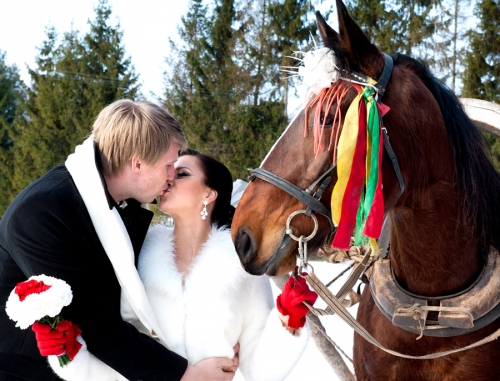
(245, 244)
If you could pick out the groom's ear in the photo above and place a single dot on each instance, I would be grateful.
(135, 164)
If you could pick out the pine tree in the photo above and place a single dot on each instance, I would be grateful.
(186, 80)
(208, 87)
(482, 74)
(377, 20)
(291, 30)
(481, 77)
(10, 95)
(444, 49)
(74, 79)
(397, 25)
(224, 79)
(200, 92)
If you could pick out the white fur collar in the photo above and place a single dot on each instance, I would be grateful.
(216, 270)
(112, 235)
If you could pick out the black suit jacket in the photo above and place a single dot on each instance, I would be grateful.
(47, 230)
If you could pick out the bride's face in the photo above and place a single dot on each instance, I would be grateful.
(185, 195)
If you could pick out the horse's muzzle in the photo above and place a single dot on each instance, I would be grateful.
(246, 247)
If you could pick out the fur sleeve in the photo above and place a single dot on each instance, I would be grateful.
(84, 367)
(268, 352)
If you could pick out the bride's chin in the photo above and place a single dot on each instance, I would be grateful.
(163, 208)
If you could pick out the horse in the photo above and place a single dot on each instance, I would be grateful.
(444, 223)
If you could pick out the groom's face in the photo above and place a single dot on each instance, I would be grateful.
(153, 179)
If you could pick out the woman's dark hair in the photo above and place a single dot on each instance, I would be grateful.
(217, 177)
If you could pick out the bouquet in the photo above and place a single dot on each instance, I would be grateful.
(41, 299)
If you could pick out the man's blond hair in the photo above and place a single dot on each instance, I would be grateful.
(126, 129)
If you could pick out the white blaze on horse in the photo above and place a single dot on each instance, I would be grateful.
(396, 144)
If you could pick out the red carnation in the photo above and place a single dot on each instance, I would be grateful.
(30, 287)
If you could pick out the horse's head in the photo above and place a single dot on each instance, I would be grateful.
(307, 149)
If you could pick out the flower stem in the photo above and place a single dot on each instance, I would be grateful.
(63, 360)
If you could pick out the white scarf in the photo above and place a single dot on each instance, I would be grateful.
(135, 307)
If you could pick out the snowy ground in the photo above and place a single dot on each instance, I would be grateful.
(313, 366)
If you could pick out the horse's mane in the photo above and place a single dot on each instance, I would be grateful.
(477, 181)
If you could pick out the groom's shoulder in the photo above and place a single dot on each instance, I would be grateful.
(57, 181)
(54, 188)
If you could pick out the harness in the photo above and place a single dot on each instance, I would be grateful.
(408, 311)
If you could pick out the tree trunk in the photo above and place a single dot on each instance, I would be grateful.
(285, 99)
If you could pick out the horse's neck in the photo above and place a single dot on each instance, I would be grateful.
(432, 254)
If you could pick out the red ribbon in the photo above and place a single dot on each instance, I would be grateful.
(354, 187)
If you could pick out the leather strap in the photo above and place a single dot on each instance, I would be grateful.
(381, 85)
(394, 159)
(303, 196)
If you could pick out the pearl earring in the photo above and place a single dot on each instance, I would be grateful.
(204, 212)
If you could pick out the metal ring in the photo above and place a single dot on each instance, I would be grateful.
(289, 230)
(305, 266)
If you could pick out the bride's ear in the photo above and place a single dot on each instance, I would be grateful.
(212, 195)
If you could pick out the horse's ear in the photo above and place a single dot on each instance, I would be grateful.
(325, 31)
(331, 40)
(362, 55)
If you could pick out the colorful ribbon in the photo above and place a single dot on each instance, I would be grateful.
(357, 201)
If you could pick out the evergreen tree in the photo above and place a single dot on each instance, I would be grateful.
(482, 74)
(185, 79)
(10, 92)
(481, 77)
(377, 21)
(445, 48)
(200, 91)
(225, 78)
(291, 30)
(397, 25)
(214, 86)
(73, 81)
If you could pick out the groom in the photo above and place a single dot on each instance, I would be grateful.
(83, 222)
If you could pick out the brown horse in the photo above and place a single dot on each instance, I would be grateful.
(442, 226)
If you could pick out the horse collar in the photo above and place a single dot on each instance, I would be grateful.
(446, 316)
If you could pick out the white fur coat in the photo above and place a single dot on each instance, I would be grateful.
(217, 306)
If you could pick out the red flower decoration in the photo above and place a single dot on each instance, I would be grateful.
(30, 287)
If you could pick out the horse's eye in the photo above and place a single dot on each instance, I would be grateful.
(327, 119)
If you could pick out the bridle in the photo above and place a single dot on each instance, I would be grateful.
(312, 200)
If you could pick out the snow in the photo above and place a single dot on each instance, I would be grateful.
(312, 365)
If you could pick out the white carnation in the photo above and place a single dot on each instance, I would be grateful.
(319, 69)
(36, 306)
